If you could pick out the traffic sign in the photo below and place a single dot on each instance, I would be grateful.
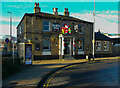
(6, 40)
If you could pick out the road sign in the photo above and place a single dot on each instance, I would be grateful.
(6, 40)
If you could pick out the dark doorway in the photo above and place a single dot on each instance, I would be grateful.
(67, 46)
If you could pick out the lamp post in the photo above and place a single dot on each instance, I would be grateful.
(94, 34)
(11, 33)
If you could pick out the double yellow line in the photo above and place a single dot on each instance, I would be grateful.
(51, 77)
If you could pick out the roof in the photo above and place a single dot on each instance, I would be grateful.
(52, 16)
(116, 40)
(100, 36)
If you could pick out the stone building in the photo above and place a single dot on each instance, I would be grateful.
(54, 36)
(116, 46)
(103, 45)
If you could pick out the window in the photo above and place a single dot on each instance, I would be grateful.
(80, 45)
(79, 28)
(46, 26)
(76, 28)
(106, 45)
(46, 43)
(20, 30)
(55, 27)
(37, 46)
(98, 45)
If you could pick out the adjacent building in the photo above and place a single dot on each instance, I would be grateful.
(103, 45)
(53, 36)
(116, 46)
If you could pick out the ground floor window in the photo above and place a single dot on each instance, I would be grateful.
(98, 45)
(80, 45)
(37, 46)
(106, 45)
(46, 43)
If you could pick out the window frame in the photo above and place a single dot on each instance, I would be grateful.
(96, 46)
(20, 30)
(82, 26)
(49, 43)
(46, 25)
(78, 27)
(107, 45)
(82, 44)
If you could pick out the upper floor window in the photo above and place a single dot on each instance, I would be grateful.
(55, 27)
(79, 28)
(46, 43)
(46, 26)
(106, 46)
(20, 30)
(80, 45)
(98, 45)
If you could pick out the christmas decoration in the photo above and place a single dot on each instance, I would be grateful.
(66, 29)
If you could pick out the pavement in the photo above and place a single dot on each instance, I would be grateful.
(32, 75)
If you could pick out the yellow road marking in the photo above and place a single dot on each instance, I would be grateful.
(51, 77)
(70, 66)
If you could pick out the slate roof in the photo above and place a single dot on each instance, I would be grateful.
(52, 16)
(116, 40)
(100, 36)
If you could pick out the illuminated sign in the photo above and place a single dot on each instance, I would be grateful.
(66, 29)
(56, 27)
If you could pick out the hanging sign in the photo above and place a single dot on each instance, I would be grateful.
(66, 29)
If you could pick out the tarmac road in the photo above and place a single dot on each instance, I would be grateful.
(98, 73)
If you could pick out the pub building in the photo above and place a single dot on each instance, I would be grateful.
(53, 36)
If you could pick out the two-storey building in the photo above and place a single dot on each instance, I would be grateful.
(54, 36)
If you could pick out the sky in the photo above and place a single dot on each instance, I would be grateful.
(106, 12)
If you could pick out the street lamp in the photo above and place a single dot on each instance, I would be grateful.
(94, 34)
(11, 33)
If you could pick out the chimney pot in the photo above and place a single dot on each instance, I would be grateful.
(99, 31)
(35, 4)
(36, 8)
(55, 12)
(66, 12)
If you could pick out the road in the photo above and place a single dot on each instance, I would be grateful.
(99, 73)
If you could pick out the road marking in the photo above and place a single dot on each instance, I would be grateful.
(70, 66)
(52, 76)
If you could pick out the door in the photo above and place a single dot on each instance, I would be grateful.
(67, 46)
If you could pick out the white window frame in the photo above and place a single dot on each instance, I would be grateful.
(107, 45)
(20, 30)
(97, 46)
(43, 25)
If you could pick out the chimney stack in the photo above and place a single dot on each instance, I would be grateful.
(66, 12)
(55, 12)
(37, 8)
(99, 31)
